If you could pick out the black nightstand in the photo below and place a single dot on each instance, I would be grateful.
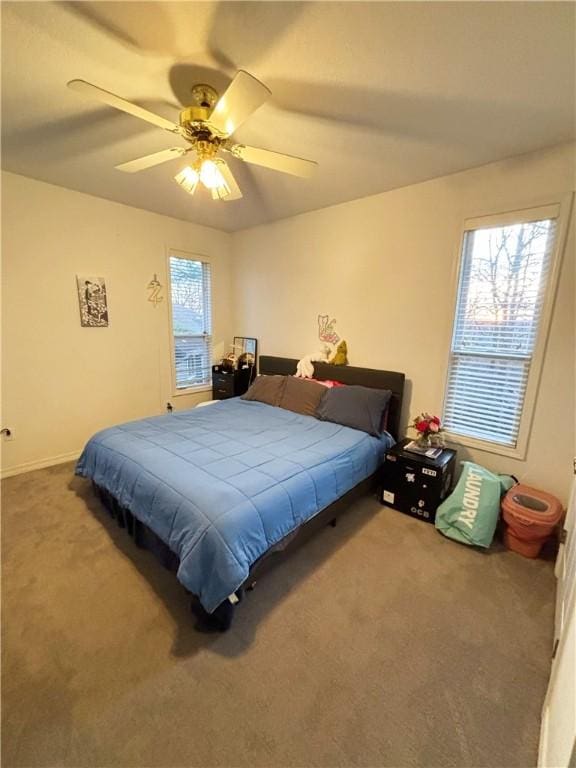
(413, 483)
(227, 384)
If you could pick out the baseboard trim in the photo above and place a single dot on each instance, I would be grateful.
(30, 466)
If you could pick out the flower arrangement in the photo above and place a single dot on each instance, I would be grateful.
(429, 429)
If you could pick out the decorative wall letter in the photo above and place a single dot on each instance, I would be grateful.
(154, 286)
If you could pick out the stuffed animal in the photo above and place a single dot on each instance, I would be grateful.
(305, 367)
(341, 355)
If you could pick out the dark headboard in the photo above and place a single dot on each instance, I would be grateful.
(347, 374)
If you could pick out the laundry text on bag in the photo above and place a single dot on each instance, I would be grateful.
(471, 499)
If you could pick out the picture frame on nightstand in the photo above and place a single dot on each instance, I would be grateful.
(246, 351)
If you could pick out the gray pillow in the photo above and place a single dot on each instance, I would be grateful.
(301, 396)
(266, 389)
(357, 407)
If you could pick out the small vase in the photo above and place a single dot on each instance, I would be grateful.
(424, 441)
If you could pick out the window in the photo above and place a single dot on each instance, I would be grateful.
(504, 283)
(191, 322)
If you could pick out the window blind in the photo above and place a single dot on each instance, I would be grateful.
(190, 293)
(502, 287)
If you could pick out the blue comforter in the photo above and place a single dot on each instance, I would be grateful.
(222, 484)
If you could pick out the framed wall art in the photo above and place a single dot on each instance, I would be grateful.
(92, 301)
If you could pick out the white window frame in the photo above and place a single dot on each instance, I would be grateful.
(561, 212)
(179, 391)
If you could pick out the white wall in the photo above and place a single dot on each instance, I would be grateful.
(62, 382)
(385, 268)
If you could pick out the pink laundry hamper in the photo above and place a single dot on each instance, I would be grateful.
(530, 518)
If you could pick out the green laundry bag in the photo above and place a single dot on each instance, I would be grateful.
(470, 513)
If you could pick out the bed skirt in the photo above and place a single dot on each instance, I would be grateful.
(221, 618)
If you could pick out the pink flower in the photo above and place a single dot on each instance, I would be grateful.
(433, 426)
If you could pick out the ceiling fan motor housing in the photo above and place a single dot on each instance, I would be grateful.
(194, 114)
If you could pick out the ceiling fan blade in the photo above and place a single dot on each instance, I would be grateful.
(242, 97)
(274, 160)
(141, 163)
(93, 92)
(235, 192)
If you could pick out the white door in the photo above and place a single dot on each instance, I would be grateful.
(558, 730)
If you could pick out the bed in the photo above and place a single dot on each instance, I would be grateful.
(215, 491)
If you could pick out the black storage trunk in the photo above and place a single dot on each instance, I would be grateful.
(414, 484)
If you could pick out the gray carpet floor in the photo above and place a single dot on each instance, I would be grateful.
(379, 643)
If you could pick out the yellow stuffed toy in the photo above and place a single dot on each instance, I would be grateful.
(341, 355)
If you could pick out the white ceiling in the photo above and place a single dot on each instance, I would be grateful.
(381, 94)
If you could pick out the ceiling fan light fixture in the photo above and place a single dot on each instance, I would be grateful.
(188, 179)
(208, 172)
(220, 193)
(210, 175)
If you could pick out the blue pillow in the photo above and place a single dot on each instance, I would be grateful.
(354, 406)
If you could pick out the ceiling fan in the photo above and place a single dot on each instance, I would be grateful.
(207, 125)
